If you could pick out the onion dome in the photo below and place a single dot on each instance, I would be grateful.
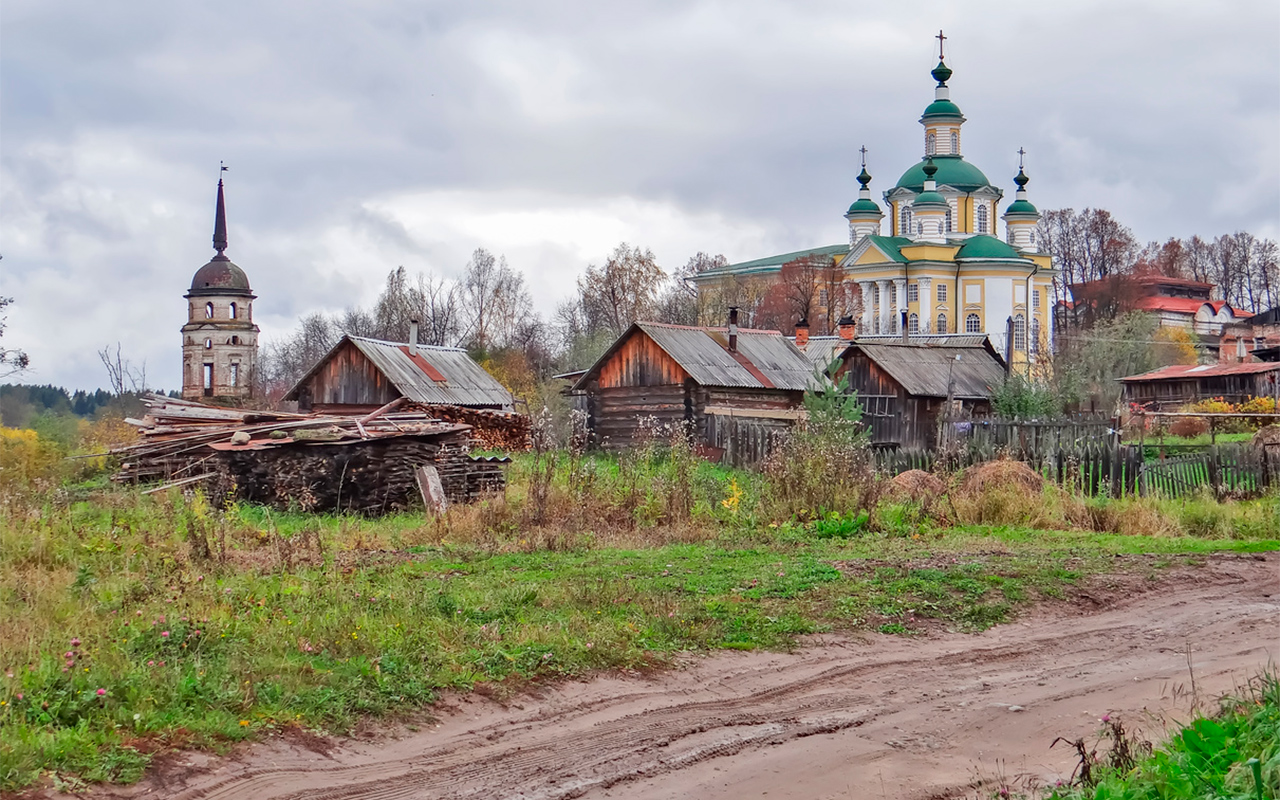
(220, 276)
(929, 196)
(1021, 205)
(864, 204)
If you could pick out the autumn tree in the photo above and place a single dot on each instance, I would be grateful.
(623, 290)
(808, 288)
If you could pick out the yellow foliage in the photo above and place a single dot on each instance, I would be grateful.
(1176, 346)
(26, 461)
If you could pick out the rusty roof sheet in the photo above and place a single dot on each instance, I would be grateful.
(1189, 372)
(925, 370)
(465, 382)
(703, 353)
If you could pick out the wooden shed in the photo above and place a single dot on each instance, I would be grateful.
(360, 374)
(705, 378)
(1170, 387)
(903, 387)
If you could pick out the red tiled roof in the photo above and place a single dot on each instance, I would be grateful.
(1195, 371)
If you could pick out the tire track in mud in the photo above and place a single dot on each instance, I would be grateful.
(893, 698)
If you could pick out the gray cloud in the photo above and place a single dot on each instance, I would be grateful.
(363, 136)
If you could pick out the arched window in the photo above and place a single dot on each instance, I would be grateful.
(913, 324)
(931, 144)
(955, 142)
(208, 310)
(233, 311)
(235, 340)
(208, 344)
(982, 218)
(904, 223)
(942, 323)
(1035, 335)
(1019, 332)
(972, 324)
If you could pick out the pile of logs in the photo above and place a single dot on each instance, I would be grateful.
(368, 464)
(490, 430)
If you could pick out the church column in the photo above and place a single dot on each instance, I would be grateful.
(883, 287)
(899, 302)
(866, 326)
(926, 304)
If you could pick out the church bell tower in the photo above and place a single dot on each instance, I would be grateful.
(219, 341)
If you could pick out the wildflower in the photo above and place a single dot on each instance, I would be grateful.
(101, 692)
(19, 695)
(139, 613)
(151, 663)
(590, 645)
(244, 723)
(75, 642)
(162, 663)
(165, 634)
(1106, 717)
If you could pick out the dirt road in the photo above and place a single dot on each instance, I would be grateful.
(884, 717)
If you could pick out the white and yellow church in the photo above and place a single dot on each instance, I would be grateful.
(941, 267)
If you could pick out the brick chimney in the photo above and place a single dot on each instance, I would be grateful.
(733, 329)
(846, 328)
(802, 333)
(413, 337)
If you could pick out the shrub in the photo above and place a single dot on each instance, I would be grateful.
(1189, 427)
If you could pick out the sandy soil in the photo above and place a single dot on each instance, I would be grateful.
(881, 717)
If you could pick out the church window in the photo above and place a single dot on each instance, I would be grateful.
(208, 344)
(955, 142)
(1035, 335)
(1035, 298)
(972, 324)
(893, 294)
(1033, 240)
(235, 374)
(904, 224)
(1019, 332)
(948, 220)
(982, 218)
(913, 293)
(942, 323)
(235, 340)
(208, 379)
(208, 310)
(822, 298)
(913, 324)
(942, 293)
(233, 311)
(931, 144)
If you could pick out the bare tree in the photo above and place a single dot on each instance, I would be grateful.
(12, 361)
(494, 301)
(622, 291)
(122, 376)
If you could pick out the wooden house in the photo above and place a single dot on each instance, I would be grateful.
(1170, 387)
(361, 374)
(904, 386)
(704, 378)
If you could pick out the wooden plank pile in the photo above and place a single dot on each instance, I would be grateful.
(312, 462)
(490, 429)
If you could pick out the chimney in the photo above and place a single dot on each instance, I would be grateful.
(905, 334)
(733, 329)
(1240, 351)
(802, 333)
(413, 337)
(845, 328)
(1008, 346)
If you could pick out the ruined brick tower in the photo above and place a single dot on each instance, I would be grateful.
(219, 341)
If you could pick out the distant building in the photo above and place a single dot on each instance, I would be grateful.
(220, 340)
(940, 268)
(360, 375)
(1175, 302)
(1171, 387)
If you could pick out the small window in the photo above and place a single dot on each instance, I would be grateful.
(233, 311)
(904, 222)
(235, 340)
(942, 293)
(235, 374)
(1033, 240)
(981, 224)
(822, 298)
(1035, 336)
(913, 293)
(931, 144)
(972, 324)
(955, 142)
(208, 379)
(948, 219)
(208, 310)
(1019, 333)
(1035, 298)
(208, 344)
(942, 323)
(913, 324)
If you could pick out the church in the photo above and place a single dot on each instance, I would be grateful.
(940, 268)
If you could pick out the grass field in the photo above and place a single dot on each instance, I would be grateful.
(134, 624)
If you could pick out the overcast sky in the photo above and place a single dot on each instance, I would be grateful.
(365, 135)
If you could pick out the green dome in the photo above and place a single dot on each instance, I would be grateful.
(864, 206)
(984, 247)
(952, 171)
(929, 199)
(1021, 207)
(942, 108)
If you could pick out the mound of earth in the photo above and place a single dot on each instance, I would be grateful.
(1268, 436)
(916, 485)
(1001, 475)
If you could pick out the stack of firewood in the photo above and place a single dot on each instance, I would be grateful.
(491, 430)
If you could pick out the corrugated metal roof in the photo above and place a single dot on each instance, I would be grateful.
(703, 353)
(1196, 371)
(925, 370)
(770, 263)
(933, 340)
(465, 382)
